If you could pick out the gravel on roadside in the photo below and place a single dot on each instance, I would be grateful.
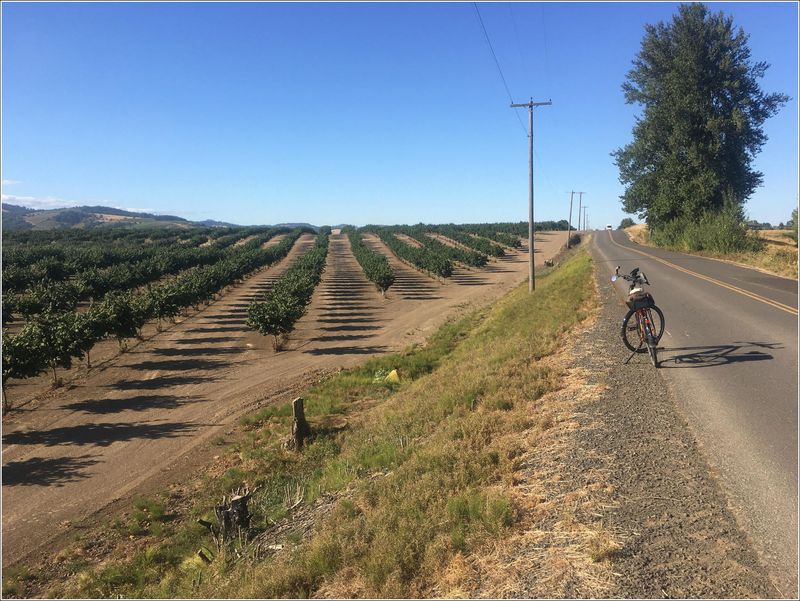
(678, 537)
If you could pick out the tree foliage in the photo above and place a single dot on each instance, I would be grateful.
(422, 258)
(287, 300)
(54, 334)
(462, 236)
(626, 222)
(467, 257)
(701, 121)
(375, 266)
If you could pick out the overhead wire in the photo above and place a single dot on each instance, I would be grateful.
(497, 63)
(519, 50)
(505, 83)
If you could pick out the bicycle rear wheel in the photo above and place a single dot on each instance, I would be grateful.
(631, 332)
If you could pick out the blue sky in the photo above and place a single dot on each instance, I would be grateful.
(344, 113)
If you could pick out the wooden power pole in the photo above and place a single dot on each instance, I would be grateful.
(531, 268)
(569, 223)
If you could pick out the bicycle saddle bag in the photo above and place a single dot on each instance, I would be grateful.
(640, 300)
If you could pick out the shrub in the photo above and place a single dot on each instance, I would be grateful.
(722, 232)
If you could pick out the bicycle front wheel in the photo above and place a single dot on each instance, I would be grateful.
(632, 333)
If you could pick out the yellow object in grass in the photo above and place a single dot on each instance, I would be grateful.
(393, 377)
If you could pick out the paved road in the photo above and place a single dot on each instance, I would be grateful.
(729, 353)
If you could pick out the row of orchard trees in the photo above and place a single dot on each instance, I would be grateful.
(59, 278)
(92, 258)
(421, 257)
(474, 243)
(464, 237)
(375, 266)
(454, 253)
(287, 300)
(51, 339)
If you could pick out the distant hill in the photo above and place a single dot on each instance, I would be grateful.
(314, 227)
(214, 223)
(23, 218)
(16, 217)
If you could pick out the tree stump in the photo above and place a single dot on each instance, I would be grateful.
(233, 517)
(300, 428)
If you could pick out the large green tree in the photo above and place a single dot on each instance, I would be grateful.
(701, 121)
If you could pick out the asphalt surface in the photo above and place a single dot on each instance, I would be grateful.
(729, 355)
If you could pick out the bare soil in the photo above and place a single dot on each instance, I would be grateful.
(409, 240)
(143, 416)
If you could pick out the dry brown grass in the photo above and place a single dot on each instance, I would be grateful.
(559, 547)
(779, 256)
(778, 236)
(638, 233)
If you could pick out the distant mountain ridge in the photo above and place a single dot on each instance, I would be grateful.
(16, 217)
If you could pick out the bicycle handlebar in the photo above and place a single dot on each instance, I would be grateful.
(635, 276)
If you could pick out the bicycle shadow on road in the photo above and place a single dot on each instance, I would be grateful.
(715, 355)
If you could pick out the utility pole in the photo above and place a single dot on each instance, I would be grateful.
(584, 216)
(569, 223)
(531, 269)
(580, 208)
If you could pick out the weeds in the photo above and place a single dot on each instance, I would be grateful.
(418, 458)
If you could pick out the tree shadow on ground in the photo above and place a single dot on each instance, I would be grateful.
(47, 472)
(161, 382)
(102, 434)
(348, 350)
(349, 328)
(177, 365)
(136, 403)
(207, 340)
(195, 351)
(465, 278)
(341, 337)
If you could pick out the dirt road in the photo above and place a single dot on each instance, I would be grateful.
(105, 436)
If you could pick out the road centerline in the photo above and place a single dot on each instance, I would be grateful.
(753, 295)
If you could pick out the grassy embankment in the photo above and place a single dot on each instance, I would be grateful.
(398, 478)
(778, 255)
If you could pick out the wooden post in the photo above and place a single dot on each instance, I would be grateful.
(300, 428)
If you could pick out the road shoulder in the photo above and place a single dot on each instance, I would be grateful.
(624, 479)
(681, 540)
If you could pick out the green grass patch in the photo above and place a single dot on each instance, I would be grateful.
(422, 459)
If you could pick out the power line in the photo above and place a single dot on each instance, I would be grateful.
(497, 62)
(516, 33)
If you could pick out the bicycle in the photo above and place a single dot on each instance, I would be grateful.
(644, 317)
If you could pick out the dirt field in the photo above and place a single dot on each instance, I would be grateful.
(135, 420)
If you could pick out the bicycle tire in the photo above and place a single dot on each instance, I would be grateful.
(653, 349)
(626, 331)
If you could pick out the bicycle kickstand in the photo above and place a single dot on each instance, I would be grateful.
(634, 352)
